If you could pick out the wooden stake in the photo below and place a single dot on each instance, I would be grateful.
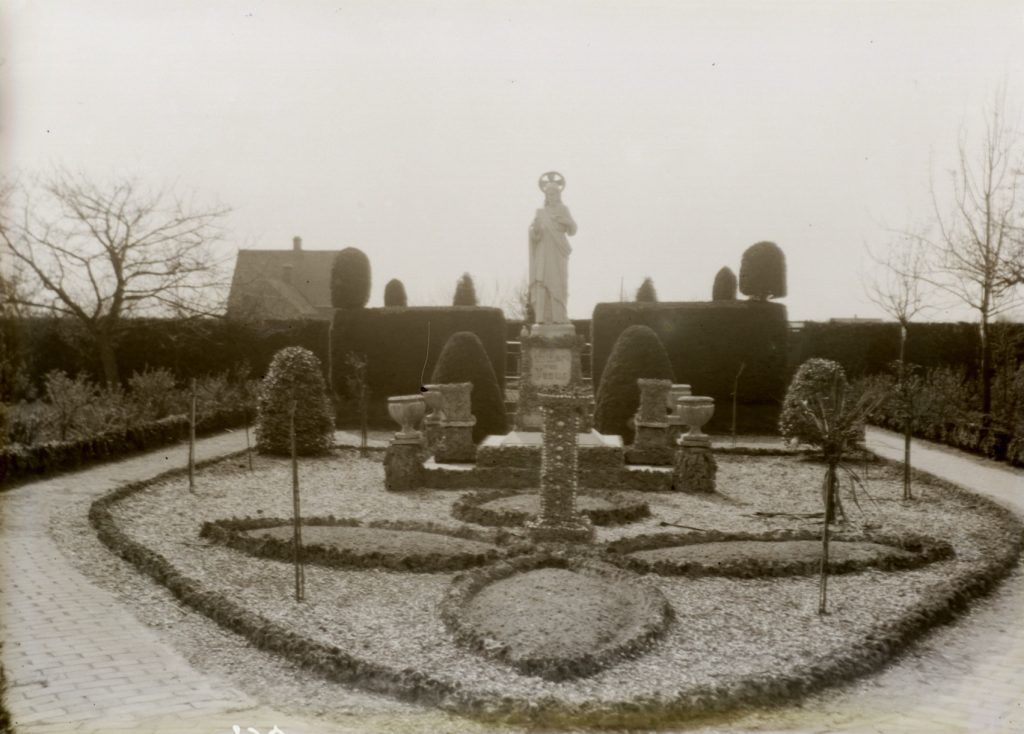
(300, 572)
(735, 394)
(192, 442)
(248, 446)
(823, 583)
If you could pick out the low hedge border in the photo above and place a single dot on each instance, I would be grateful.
(655, 615)
(591, 458)
(470, 508)
(18, 462)
(991, 441)
(229, 533)
(943, 605)
(926, 550)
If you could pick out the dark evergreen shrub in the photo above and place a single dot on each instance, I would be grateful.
(724, 288)
(465, 292)
(294, 375)
(637, 353)
(763, 272)
(463, 359)
(394, 293)
(812, 381)
(646, 293)
(350, 279)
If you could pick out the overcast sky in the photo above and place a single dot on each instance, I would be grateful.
(417, 130)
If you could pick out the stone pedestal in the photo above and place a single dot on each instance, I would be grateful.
(550, 358)
(694, 470)
(455, 443)
(559, 475)
(403, 465)
(650, 444)
(676, 428)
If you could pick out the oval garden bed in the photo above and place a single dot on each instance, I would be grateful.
(775, 554)
(343, 542)
(733, 641)
(513, 508)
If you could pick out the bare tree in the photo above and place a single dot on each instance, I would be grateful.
(898, 286)
(977, 240)
(99, 254)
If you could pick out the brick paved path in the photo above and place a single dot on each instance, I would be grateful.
(77, 661)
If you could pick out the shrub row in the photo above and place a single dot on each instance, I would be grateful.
(943, 602)
(472, 508)
(977, 437)
(230, 533)
(19, 462)
(706, 342)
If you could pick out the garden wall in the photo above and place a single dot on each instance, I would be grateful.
(706, 343)
(402, 344)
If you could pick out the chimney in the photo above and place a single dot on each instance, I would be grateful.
(297, 244)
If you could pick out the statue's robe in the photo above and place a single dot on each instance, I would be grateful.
(549, 264)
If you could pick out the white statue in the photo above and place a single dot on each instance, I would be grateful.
(549, 253)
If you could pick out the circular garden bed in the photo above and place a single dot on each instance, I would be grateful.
(513, 507)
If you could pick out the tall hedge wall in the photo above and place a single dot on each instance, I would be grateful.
(189, 348)
(867, 349)
(395, 343)
(706, 342)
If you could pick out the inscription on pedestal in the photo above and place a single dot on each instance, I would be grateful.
(550, 367)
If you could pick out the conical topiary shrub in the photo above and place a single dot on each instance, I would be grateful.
(463, 359)
(724, 288)
(350, 279)
(465, 291)
(294, 375)
(394, 293)
(646, 292)
(763, 272)
(638, 352)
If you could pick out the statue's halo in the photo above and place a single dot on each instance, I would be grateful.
(551, 178)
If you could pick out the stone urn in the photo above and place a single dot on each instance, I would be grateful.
(435, 403)
(695, 411)
(407, 411)
(678, 390)
(457, 406)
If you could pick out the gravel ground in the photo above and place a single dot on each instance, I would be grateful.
(725, 629)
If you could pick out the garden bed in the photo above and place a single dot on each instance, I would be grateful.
(733, 642)
(512, 508)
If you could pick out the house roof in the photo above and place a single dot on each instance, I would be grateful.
(281, 283)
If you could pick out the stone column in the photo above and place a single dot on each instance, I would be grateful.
(651, 444)
(456, 443)
(695, 467)
(403, 460)
(559, 475)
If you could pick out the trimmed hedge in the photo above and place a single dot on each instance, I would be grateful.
(763, 271)
(19, 462)
(350, 279)
(394, 294)
(724, 287)
(868, 349)
(188, 348)
(706, 342)
(400, 351)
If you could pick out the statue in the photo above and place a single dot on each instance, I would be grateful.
(549, 253)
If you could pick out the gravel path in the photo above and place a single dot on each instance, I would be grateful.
(961, 678)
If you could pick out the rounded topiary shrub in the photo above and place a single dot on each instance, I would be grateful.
(294, 375)
(463, 359)
(394, 293)
(763, 272)
(813, 380)
(350, 279)
(724, 288)
(637, 353)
